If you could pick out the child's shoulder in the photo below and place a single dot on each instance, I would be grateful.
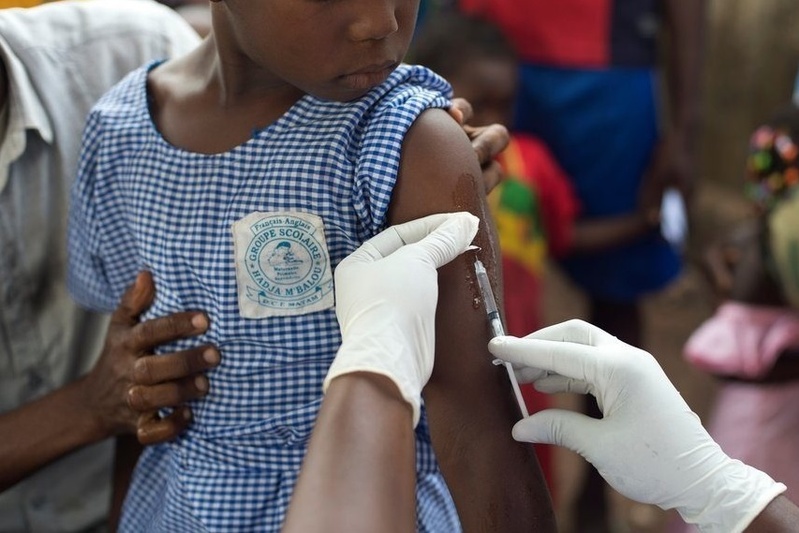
(409, 87)
(127, 98)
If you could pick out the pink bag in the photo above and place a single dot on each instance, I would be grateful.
(742, 340)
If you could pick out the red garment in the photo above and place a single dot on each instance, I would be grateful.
(534, 209)
(582, 34)
(575, 32)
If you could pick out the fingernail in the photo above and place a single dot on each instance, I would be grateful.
(200, 322)
(201, 383)
(211, 356)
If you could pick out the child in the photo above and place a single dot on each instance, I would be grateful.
(752, 340)
(241, 174)
(535, 208)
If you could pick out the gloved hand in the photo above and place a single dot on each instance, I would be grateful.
(386, 296)
(649, 446)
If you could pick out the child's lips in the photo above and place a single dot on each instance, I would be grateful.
(369, 76)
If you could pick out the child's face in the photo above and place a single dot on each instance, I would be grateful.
(332, 49)
(490, 86)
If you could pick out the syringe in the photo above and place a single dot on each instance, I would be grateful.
(496, 327)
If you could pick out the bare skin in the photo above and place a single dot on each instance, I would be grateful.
(469, 401)
(119, 395)
(674, 160)
(736, 269)
(780, 516)
(369, 479)
(493, 82)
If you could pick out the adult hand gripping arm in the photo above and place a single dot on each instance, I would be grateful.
(120, 395)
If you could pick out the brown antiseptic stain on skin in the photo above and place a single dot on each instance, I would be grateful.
(468, 196)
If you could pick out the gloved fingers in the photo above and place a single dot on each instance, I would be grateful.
(554, 383)
(417, 230)
(575, 331)
(569, 429)
(526, 374)
(568, 359)
(439, 241)
(446, 230)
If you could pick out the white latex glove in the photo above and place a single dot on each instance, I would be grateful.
(386, 297)
(649, 446)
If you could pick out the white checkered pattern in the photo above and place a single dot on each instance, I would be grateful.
(141, 202)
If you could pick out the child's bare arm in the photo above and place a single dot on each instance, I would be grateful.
(496, 482)
(592, 235)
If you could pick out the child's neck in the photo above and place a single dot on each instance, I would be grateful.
(207, 104)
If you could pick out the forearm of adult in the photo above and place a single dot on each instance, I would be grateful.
(593, 235)
(780, 516)
(44, 430)
(685, 20)
(359, 474)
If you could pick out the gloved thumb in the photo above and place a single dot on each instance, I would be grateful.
(569, 429)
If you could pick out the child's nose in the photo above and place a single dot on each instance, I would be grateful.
(375, 20)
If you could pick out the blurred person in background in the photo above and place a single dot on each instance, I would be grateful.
(751, 342)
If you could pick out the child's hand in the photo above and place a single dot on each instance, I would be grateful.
(386, 296)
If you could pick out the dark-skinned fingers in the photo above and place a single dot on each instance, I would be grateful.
(464, 108)
(136, 299)
(490, 141)
(155, 369)
(144, 398)
(492, 175)
(153, 430)
(157, 331)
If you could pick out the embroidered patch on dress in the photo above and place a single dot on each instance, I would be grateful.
(282, 265)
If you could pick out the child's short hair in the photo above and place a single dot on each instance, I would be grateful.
(448, 40)
(772, 168)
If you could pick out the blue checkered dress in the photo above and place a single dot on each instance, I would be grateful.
(139, 201)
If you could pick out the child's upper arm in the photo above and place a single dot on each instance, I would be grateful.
(496, 482)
